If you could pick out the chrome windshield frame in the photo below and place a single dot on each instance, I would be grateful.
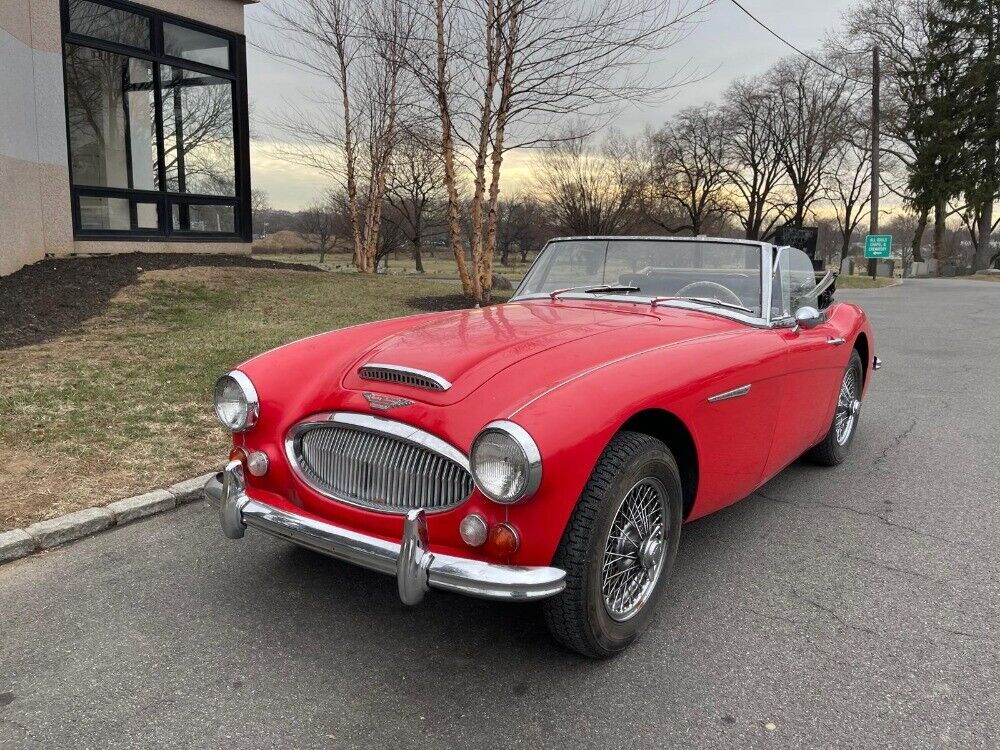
(768, 267)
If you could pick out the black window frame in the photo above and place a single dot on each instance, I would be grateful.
(163, 198)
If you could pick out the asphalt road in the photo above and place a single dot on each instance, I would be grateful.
(848, 607)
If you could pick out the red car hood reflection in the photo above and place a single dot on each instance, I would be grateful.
(469, 347)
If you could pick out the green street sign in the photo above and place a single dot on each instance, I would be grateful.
(878, 245)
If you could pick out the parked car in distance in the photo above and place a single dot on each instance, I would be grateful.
(550, 448)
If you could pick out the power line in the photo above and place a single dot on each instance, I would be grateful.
(787, 43)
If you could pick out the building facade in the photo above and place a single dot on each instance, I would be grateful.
(123, 127)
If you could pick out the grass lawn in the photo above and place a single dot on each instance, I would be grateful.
(864, 282)
(982, 277)
(442, 263)
(122, 404)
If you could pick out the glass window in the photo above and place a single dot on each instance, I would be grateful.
(794, 284)
(111, 118)
(141, 106)
(147, 216)
(98, 212)
(110, 24)
(198, 133)
(197, 46)
(145, 132)
(198, 217)
(715, 272)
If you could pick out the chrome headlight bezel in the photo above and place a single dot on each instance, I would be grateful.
(251, 403)
(531, 462)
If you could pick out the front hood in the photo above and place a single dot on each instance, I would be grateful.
(468, 347)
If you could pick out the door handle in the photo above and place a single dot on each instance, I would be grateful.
(836, 342)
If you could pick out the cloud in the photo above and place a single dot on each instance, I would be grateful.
(288, 185)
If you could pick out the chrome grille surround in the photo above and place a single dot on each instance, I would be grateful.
(404, 376)
(377, 463)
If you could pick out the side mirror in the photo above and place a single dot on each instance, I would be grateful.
(808, 317)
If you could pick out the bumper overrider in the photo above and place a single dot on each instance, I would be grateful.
(416, 568)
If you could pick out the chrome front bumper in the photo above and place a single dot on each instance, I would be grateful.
(416, 568)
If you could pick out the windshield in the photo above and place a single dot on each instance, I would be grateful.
(723, 273)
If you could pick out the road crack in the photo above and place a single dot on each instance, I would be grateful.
(896, 442)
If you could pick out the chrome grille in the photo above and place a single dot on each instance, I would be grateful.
(376, 470)
(405, 376)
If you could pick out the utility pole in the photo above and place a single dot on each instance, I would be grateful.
(876, 83)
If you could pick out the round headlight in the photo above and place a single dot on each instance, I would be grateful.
(505, 462)
(236, 404)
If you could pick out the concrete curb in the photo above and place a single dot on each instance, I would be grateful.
(54, 532)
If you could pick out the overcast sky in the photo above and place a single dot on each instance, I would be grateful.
(724, 46)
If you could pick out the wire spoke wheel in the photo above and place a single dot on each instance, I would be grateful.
(634, 550)
(848, 406)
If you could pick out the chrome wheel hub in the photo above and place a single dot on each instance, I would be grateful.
(649, 553)
(634, 550)
(848, 406)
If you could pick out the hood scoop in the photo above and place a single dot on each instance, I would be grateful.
(410, 376)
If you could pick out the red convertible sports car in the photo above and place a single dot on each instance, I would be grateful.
(550, 448)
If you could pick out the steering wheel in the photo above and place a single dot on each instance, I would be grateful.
(711, 289)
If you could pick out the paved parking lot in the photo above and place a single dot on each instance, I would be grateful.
(848, 607)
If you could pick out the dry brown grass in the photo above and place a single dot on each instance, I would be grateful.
(122, 405)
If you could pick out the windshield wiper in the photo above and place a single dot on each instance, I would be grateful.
(601, 289)
(707, 300)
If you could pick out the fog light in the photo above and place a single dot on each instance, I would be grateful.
(504, 539)
(473, 530)
(257, 463)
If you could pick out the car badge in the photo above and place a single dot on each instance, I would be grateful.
(384, 403)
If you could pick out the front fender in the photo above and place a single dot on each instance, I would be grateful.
(573, 422)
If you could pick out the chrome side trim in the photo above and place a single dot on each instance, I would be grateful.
(407, 375)
(734, 393)
(378, 425)
(415, 571)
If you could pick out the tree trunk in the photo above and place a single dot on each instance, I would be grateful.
(418, 261)
(800, 208)
(448, 154)
(940, 251)
(349, 155)
(918, 236)
(983, 251)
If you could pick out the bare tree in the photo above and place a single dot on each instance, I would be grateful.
(810, 106)
(589, 190)
(848, 186)
(521, 225)
(319, 222)
(415, 187)
(753, 160)
(900, 30)
(360, 52)
(260, 207)
(689, 169)
(502, 71)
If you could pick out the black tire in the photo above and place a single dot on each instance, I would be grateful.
(578, 617)
(832, 451)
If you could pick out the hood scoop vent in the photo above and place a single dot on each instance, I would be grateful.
(403, 376)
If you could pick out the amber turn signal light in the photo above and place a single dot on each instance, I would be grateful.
(239, 453)
(504, 539)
